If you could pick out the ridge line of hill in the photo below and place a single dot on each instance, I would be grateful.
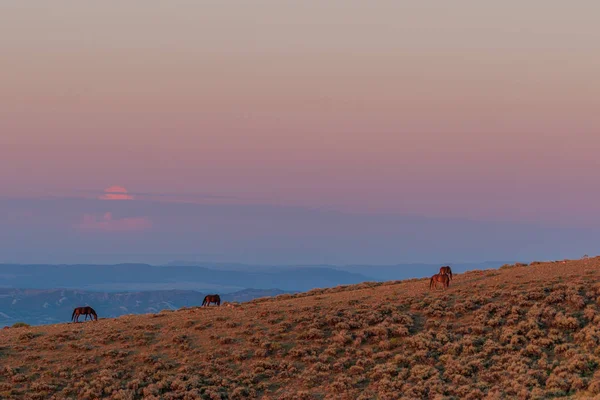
(522, 331)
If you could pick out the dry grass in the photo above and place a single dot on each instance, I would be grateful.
(525, 332)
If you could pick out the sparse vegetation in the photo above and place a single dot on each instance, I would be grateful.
(527, 332)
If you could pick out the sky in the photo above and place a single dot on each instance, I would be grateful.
(466, 110)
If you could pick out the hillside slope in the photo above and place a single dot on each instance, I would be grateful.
(519, 332)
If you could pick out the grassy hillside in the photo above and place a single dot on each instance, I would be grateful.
(518, 332)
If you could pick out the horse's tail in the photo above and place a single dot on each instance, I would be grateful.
(431, 283)
(73, 315)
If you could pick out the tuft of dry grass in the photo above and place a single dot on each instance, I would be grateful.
(523, 331)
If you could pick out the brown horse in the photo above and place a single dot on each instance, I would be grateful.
(439, 278)
(446, 271)
(87, 311)
(212, 298)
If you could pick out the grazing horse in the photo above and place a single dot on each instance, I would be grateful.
(446, 271)
(439, 278)
(87, 311)
(212, 298)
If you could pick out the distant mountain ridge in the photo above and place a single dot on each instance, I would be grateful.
(144, 277)
(372, 272)
(40, 306)
(113, 290)
(207, 277)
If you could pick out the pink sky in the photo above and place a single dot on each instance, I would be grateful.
(107, 223)
(467, 108)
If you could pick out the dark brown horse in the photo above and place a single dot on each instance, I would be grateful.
(212, 298)
(439, 278)
(447, 271)
(87, 311)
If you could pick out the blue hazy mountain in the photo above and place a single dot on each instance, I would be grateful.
(45, 306)
(52, 291)
(136, 277)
